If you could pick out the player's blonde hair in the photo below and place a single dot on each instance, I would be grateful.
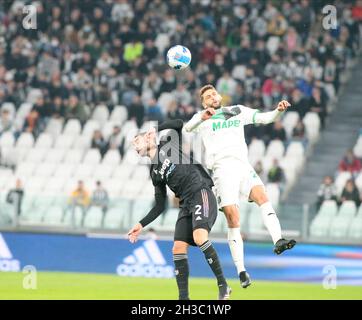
(204, 89)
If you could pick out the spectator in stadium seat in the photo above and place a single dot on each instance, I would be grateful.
(136, 111)
(299, 103)
(100, 199)
(351, 193)
(298, 133)
(260, 170)
(98, 142)
(15, 197)
(327, 191)
(76, 110)
(116, 141)
(318, 104)
(350, 163)
(276, 173)
(277, 131)
(153, 111)
(78, 198)
(6, 122)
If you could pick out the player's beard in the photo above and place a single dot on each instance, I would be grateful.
(215, 105)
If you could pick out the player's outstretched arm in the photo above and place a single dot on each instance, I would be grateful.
(160, 205)
(271, 116)
(198, 118)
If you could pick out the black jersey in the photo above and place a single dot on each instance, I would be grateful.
(173, 168)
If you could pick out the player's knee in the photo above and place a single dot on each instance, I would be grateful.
(232, 216)
(259, 197)
(200, 236)
(179, 247)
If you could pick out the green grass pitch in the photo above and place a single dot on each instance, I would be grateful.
(51, 285)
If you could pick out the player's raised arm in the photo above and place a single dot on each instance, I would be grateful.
(253, 116)
(159, 207)
(198, 118)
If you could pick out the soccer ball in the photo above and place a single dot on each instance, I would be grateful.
(178, 57)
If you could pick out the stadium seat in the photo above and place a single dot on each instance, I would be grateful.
(257, 148)
(239, 71)
(164, 100)
(357, 149)
(358, 181)
(73, 156)
(312, 125)
(113, 186)
(341, 180)
(112, 157)
(275, 150)
(119, 115)
(55, 184)
(118, 215)
(53, 215)
(295, 150)
(139, 210)
(25, 170)
(90, 127)
(355, 228)
(124, 171)
(92, 156)
(54, 127)
(273, 192)
(72, 128)
(44, 140)
(9, 106)
(36, 155)
(141, 173)
(64, 170)
(290, 120)
(103, 171)
(7, 140)
(320, 226)
(82, 143)
(25, 141)
(162, 41)
(45, 170)
(347, 210)
(93, 217)
(54, 156)
(6, 175)
(168, 220)
(256, 224)
(244, 209)
(101, 114)
(328, 208)
(24, 109)
(107, 129)
(339, 226)
(64, 142)
(133, 189)
(84, 171)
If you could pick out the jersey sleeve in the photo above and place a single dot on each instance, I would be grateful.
(194, 124)
(247, 115)
(159, 207)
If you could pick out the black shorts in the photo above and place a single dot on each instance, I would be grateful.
(200, 212)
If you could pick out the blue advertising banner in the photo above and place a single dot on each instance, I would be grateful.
(151, 258)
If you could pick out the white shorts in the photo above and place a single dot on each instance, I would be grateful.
(234, 180)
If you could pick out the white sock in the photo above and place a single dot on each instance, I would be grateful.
(271, 221)
(236, 248)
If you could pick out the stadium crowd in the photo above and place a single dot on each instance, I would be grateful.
(86, 53)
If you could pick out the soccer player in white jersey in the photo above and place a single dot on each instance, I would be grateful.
(222, 133)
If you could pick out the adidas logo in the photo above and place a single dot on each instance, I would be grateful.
(7, 263)
(146, 261)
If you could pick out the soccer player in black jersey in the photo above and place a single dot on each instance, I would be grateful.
(198, 208)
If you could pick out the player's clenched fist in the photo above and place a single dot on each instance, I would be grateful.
(207, 114)
(283, 105)
(134, 233)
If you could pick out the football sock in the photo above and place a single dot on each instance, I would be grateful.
(271, 221)
(213, 261)
(236, 246)
(182, 275)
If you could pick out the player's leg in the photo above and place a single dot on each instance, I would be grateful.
(236, 243)
(227, 181)
(204, 214)
(180, 260)
(270, 219)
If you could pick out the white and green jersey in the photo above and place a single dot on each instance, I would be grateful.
(223, 134)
